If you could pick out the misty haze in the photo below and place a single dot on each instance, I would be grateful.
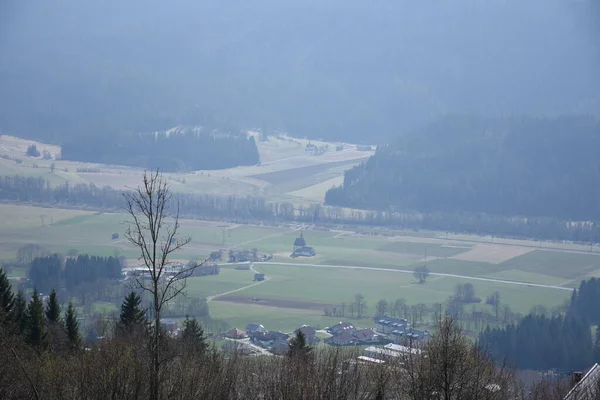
(300, 199)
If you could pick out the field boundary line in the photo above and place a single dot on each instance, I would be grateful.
(404, 271)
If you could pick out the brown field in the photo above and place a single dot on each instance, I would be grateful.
(278, 303)
(491, 253)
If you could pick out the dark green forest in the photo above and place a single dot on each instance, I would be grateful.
(184, 150)
(531, 167)
(542, 342)
(349, 70)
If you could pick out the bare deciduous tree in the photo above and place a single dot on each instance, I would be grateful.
(421, 273)
(155, 232)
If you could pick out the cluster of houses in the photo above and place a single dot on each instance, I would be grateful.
(392, 336)
(274, 341)
(400, 331)
(346, 334)
(239, 256)
(169, 271)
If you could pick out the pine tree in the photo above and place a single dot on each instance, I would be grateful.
(53, 308)
(72, 326)
(36, 325)
(20, 312)
(7, 300)
(192, 336)
(298, 346)
(132, 315)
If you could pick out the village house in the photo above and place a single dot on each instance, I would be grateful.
(309, 333)
(387, 325)
(382, 354)
(389, 352)
(364, 335)
(401, 349)
(345, 338)
(169, 325)
(252, 328)
(409, 337)
(301, 249)
(268, 339)
(586, 387)
(342, 327)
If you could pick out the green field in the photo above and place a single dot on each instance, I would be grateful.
(294, 294)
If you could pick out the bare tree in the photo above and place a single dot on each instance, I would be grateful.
(155, 232)
(382, 308)
(421, 273)
(361, 305)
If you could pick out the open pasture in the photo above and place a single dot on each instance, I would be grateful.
(299, 292)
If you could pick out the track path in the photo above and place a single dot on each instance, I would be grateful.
(209, 298)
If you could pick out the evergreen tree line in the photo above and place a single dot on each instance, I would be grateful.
(54, 271)
(186, 150)
(41, 326)
(585, 302)
(543, 342)
(256, 209)
(532, 167)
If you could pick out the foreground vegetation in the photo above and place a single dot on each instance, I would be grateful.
(119, 366)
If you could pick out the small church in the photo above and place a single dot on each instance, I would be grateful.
(301, 249)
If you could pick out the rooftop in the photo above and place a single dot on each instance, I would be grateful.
(588, 388)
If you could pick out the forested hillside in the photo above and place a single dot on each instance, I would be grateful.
(183, 149)
(339, 69)
(508, 167)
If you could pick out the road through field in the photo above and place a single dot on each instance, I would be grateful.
(209, 298)
(404, 271)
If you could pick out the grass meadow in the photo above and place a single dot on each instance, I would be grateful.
(301, 292)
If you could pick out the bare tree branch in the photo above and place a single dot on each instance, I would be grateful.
(150, 231)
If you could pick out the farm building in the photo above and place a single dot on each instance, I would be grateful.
(301, 249)
(259, 277)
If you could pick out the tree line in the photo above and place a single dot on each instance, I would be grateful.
(559, 341)
(183, 150)
(56, 271)
(528, 167)
(256, 209)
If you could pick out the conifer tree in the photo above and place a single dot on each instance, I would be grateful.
(20, 312)
(72, 326)
(36, 325)
(7, 300)
(298, 346)
(53, 308)
(192, 336)
(132, 315)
